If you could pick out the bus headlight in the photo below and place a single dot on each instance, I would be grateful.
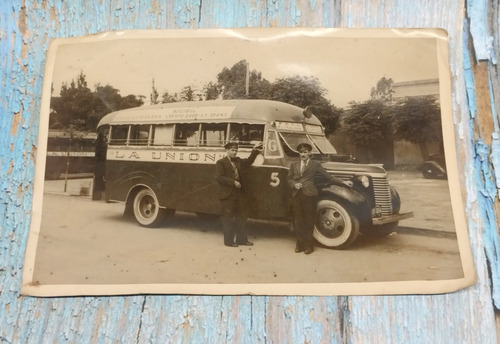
(365, 181)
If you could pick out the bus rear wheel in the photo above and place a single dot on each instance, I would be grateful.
(147, 209)
(335, 227)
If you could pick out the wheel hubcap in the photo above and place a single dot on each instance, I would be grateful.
(147, 206)
(331, 223)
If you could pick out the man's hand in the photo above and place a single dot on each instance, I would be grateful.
(237, 184)
(259, 146)
(348, 183)
(298, 186)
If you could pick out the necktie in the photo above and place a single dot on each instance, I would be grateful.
(302, 167)
(236, 174)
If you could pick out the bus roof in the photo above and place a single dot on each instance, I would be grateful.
(248, 111)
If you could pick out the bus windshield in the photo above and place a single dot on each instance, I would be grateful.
(323, 144)
(292, 140)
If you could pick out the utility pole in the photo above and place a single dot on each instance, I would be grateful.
(247, 80)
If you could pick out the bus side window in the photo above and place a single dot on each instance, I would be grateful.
(139, 135)
(213, 134)
(186, 134)
(162, 135)
(246, 134)
(119, 134)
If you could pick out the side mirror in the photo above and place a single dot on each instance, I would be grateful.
(308, 113)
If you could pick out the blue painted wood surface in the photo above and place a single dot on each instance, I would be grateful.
(466, 316)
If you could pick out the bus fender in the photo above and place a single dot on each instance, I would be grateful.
(395, 200)
(351, 198)
(137, 182)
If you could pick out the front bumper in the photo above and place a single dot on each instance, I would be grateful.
(391, 218)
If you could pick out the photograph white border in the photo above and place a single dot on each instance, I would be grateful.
(30, 287)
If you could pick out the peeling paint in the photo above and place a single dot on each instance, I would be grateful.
(478, 14)
(495, 159)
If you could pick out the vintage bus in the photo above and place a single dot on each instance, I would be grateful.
(161, 158)
(69, 152)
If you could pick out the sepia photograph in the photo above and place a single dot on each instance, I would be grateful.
(248, 161)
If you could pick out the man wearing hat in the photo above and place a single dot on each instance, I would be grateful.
(231, 193)
(301, 177)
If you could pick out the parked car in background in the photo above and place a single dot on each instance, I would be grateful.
(435, 167)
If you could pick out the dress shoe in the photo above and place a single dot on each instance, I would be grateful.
(298, 248)
(308, 250)
(248, 243)
(231, 245)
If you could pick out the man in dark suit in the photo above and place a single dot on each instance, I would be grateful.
(301, 177)
(231, 193)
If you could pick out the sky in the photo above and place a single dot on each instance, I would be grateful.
(347, 65)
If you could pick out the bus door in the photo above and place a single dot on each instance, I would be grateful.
(268, 191)
(101, 147)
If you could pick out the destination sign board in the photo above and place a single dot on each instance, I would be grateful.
(177, 114)
(289, 126)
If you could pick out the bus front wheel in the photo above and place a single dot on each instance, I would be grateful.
(147, 210)
(335, 227)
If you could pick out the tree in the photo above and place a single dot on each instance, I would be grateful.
(131, 101)
(169, 98)
(418, 120)
(109, 95)
(307, 91)
(79, 107)
(189, 94)
(153, 97)
(383, 90)
(368, 125)
(232, 82)
(113, 101)
(211, 91)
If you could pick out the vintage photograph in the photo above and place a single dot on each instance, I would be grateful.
(248, 161)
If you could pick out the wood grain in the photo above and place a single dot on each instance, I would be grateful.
(467, 316)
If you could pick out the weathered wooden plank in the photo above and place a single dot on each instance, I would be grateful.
(27, 26)
(407, 319)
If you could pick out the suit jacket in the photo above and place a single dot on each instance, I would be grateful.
(312, 169)
(225, 176)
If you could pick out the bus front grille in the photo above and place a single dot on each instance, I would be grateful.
(382, 195)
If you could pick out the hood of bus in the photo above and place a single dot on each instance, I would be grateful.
(354, 168)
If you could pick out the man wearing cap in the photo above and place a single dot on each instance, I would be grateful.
(301, 177)
(231, 193)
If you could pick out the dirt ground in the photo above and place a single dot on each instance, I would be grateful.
(88, 242)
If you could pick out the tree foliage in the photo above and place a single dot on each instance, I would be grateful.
(383, 90)
(189, 94)
(153, 97)
(417, 120)
(81, 108)
(307, 91)
(169, 98)
(232, 82)
(211, 91)
(76, 106)
(368, 123)
(297, 90)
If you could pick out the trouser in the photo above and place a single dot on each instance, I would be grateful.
(234, 219)
(304, 217)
